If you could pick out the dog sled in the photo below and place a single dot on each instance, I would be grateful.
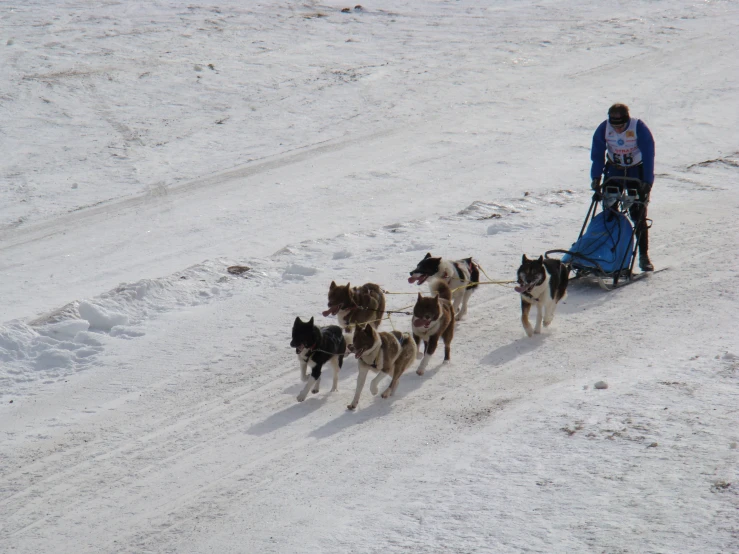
(605, 250)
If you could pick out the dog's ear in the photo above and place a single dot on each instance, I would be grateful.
(368, 329)
(419, 297)
(349, 286)
(427, 256)
(311, 321)
(540, 260)
(297, 321)
(332, 286)
(524, 259)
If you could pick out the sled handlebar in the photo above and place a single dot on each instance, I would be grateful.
(623, 180)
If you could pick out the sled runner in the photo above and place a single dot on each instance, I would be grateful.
(605, 250)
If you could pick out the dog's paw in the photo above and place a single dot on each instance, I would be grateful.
(351, 407)
(421, 370)
(386, 394)
(314, 390)
(304, 378)
(547, 322)
(419, 355)
(537, 331)
(373, 389)
(335, 389)
(301, 397)
(529, 331)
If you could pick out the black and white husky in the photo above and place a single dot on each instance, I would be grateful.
(315, 346)
(542, 283)
(461, 276)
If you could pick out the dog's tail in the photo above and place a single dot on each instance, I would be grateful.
(442, 289)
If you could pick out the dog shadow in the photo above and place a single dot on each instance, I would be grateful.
(348, 370)
(287, 416)
(504, 354)
(373, 407)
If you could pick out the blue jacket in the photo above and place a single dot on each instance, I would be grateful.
(644, 141)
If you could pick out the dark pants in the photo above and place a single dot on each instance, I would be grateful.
(638, 212)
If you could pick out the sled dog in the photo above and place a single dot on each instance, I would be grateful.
(383, 353)
(356, 305)
(433, 317)
(462, 277)
(542, 283)
(315, 346)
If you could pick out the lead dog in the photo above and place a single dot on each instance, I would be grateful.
(383, 353)
(542, 283)
(356, 305)
(433, 317)
(461, 276)
(315, 346)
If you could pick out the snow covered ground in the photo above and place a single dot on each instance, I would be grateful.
(147, 396)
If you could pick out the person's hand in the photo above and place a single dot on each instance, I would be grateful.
(597, 196)
(595, 184)
(647, 188)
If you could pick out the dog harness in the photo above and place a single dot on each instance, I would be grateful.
(379, 352)
(528, 294)
(459, 271)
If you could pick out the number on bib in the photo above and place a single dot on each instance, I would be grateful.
(627, 160)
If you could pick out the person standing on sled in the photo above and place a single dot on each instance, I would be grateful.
(624, 147)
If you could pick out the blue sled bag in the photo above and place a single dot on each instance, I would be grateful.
(608, 244)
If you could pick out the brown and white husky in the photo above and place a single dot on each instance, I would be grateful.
(356, 305)
(433, 317)
(541, 283)
(384, 353)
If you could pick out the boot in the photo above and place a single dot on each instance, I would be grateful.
(644, 263)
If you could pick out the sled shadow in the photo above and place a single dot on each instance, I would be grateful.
(504, 354)
(582, 295)
(373, 407)
(289, 415)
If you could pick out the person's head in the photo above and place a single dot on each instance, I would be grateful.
(618, 116)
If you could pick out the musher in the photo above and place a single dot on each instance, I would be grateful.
(624, 147)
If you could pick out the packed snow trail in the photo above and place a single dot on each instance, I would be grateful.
(228, 431)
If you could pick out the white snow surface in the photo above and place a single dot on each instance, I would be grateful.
(148, 396)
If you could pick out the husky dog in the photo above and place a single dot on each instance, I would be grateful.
(462, 277)
(356, 305)
(433, 317)
(542, 283)
(384, 353)
(315, 346)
